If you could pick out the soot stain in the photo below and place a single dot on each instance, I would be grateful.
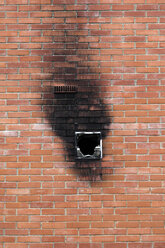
(82, 111)
(79, 111)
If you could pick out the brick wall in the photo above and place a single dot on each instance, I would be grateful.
(113, 51)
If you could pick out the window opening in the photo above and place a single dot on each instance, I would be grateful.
(88, 145)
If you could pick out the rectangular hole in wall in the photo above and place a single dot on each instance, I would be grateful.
(88, 145)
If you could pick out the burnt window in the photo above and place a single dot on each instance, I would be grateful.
(88, 145)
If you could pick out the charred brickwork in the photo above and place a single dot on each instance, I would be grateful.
(82, 109)
(113, 53)
(70, 112)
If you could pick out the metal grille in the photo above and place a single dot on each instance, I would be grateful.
(65, 89)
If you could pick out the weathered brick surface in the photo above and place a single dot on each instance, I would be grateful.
(113, 50)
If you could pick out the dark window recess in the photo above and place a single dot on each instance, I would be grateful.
(88, 145)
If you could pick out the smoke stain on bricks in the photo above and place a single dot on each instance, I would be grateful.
(79, 110)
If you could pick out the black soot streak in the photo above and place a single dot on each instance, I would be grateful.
(79, 108)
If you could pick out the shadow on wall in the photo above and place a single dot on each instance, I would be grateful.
(80, 108)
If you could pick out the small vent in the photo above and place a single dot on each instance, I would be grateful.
(65, 89)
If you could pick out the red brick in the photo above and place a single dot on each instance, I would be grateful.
(114, 46)
(7, 239)
(140, 245)
(43, 245)
(27, 239)
(159, 245)
(89, 245)
(17, 2)
(18, 245)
